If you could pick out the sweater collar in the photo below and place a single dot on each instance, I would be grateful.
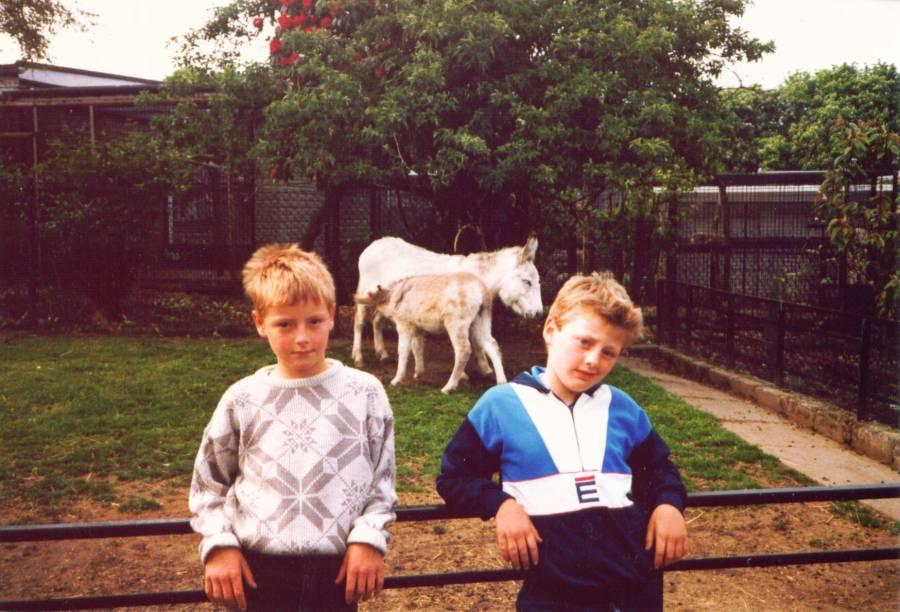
(269, 375)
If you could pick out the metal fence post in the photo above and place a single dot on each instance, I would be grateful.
(661, 323)
(862, 408)
(688, 316)
(729, 340)
(776, 342)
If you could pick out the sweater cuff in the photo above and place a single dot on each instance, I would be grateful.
(220, 540)
(365, 534)
(491, 502)
(673, 499)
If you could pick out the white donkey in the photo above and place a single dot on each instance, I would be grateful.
(458, 303)
(509, 274)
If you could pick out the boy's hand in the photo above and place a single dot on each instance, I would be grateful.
(516, 535)
(224, 576)
(363, 568)
(666, 535)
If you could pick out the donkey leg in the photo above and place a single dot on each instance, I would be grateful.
(481, 359)
(378, 336)
(404, 336)
(418, 351)
(462, 349)
(484, 341)
(359, 321)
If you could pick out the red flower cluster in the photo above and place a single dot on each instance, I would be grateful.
(288, 22)
(297, 14)
(287, 60)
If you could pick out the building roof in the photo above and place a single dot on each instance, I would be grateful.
(35, 75)
(32, 81)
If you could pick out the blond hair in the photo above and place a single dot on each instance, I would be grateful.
(601, 295)
(279, 274)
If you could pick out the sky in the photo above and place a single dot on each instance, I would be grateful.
(131, 38)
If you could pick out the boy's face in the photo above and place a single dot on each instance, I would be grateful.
(298, 335)
(581, 350)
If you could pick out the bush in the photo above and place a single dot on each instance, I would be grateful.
(100, 205)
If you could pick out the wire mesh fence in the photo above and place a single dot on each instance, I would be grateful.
(758, 234)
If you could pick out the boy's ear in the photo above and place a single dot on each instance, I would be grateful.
(550, 328)
(258, 322)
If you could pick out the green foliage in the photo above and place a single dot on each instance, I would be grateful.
(144, 312)
(98, 202)
(756, 117)
(815, 103)
(493, 108)
(795, 127)
(12, 183)
(864, 228)
(214, 118)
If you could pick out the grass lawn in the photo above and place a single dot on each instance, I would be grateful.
(80, 413)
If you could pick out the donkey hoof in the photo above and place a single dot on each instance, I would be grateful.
(384, 355)
(396, 382)
(448, 388)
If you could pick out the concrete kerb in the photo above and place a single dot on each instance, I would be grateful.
(874, 440)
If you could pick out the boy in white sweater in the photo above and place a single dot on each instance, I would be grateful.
(293, 485)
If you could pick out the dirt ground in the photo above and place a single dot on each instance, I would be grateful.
(106, 566)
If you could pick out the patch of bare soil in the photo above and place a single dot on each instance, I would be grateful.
(130, 565)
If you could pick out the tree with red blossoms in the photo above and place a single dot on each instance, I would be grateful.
(502, 113)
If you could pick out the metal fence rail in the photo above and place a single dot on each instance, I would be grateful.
(26, 533)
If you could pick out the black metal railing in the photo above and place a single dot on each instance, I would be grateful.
(847, 357)
(31, 533)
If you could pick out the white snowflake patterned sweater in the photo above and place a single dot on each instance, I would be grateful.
(297, 466)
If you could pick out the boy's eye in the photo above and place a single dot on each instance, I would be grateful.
(609, 353)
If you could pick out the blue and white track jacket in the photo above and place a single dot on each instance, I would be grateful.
(588, 475)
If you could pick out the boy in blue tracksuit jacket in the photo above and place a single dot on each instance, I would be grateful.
(588, 504)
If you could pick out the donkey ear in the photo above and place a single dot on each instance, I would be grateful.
(529, 249)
